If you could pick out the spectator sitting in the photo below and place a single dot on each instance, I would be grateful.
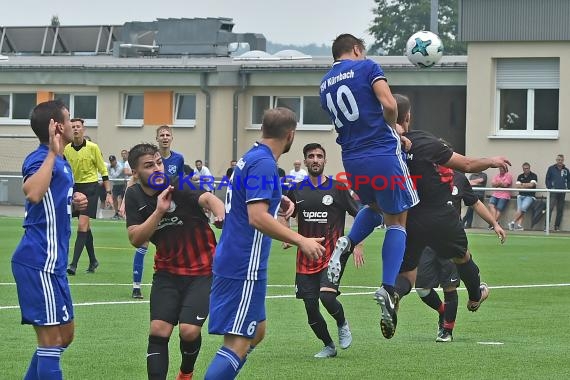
(525, 180)
(297, 174)
(500, 198)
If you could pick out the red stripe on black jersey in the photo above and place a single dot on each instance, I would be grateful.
(187, 251)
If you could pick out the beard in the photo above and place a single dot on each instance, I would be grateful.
(287, 147)
(316, 171)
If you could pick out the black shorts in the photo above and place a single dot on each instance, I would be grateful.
(180, 299)
(439, 229)
(91, 191)
(118, 190)
(434, 271)
(308, 286)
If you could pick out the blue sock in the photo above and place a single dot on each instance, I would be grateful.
(364, 223)
(224, 366)
(393, 253)
(32, 373)
(48, 363)
(138, 264)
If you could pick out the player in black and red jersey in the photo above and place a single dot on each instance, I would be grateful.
(321, 204)
(434, 271)
(434, 222)
(172, 218)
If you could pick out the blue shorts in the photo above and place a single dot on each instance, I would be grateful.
(45, 299)
(384, 180)
(236, 306)
(524, 202)
(499, 203)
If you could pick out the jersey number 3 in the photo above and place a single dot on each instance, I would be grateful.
(343, 95)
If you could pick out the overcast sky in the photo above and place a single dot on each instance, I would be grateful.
(281, 21)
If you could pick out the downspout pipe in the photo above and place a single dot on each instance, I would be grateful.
(205, 91)
(243, 86)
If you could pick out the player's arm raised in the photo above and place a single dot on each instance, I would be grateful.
(389, 105)
(475, 165)
(260, 219)
(141, 233)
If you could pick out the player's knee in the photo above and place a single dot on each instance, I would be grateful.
(189, 332)
(154, 340)
(328, 299)
(312, 309)
(423, 292)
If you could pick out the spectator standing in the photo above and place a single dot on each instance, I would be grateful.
(297, 174)
(117, 177)
(230, 170)
(557, 178)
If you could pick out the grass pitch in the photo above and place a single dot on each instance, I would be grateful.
(521, 332)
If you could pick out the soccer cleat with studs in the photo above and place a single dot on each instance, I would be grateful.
(473, 306)
(388, 311)
(341, 247)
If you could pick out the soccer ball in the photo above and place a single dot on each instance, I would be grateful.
(424, 49)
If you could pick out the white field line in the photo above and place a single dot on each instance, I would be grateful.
(275, 296)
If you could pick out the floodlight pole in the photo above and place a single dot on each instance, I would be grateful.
(433, 16)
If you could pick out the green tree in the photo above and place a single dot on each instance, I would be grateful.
(396, 20)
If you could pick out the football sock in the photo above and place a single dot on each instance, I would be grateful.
(334, 307)
(469, 274)
(364, 223)
(224, 366)
(450, 312)
(403, 286)
(189, 351)
(392, 254)
(90, 248)
(432, 300)
(157, 357)
(32, 373)
(49, 363)
(316, 320)
(79, 245)
(138, 264)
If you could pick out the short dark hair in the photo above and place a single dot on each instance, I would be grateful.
(78, 119)
(42, 114)
(345, 43)
(312, 146)
(277, 122)
(200, 161)
(165, 127)
(139, 150)
(404, 107)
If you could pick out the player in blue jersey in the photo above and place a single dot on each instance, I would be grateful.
(39, 262)
(253, 199)
(357, 97)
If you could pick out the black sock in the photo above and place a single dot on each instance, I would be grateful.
(403, 286)
(317, 322)
(450, 312)
(389, 288)
(189, 351)
(90, 248)
(469, 274)
(157, 357)
(432, 300)
(334, 307)
(79, 245)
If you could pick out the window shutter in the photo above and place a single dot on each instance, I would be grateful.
(528, 73)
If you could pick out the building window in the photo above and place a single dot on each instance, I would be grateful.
(185, 110)
(17, 106)
(82, 106)
(308, 109)
(133, 109)
(528, 97)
